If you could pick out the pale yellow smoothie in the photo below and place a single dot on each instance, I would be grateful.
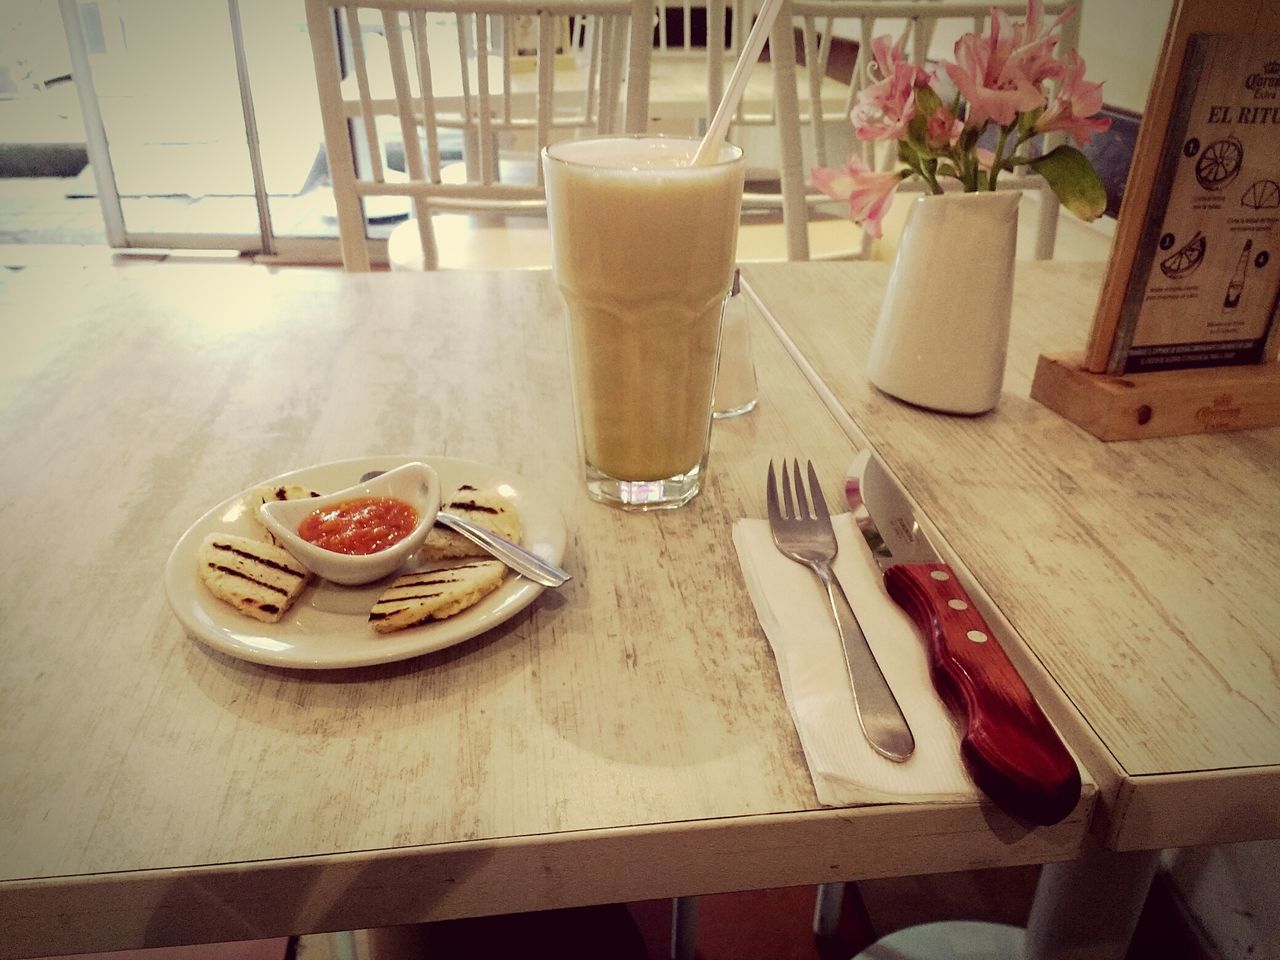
(643, 249)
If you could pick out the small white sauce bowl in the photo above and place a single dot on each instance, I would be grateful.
(415, 483)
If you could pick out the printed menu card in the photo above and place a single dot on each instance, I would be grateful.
(1206, 279)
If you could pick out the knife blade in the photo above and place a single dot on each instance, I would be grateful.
(1008, 745)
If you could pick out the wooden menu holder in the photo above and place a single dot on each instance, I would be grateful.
(1092, 390)
(1161, 404)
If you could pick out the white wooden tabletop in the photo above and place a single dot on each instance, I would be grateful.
(623, 738)
(1141, 575)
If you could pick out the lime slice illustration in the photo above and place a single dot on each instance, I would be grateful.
(1185, 259)
(1262, 195)
(1219, 164)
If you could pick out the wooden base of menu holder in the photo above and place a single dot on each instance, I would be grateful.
(1161, 404)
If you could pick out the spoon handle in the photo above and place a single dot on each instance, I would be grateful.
(513, 555)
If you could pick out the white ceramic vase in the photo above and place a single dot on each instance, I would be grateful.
(943, 330)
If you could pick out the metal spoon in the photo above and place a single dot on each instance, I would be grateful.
(512, 554)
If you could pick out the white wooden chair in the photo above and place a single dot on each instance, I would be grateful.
(804, 122)
(705, 37)
(502, 78)
(696, 44)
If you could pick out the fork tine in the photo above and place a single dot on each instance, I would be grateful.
(803, 502)
(786, 493)
(771, 496)
(815, 491)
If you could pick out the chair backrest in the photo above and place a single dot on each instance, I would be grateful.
(482, 76)
(696, 45)
(702, 33)
(932, 25)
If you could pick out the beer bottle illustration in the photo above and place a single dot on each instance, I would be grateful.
(1236, 286)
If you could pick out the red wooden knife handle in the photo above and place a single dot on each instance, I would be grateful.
(1009, 747)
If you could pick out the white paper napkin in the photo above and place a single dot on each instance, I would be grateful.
(792, 607)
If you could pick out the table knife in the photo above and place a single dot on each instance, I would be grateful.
(1008, 745)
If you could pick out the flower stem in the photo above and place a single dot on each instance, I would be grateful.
(921, 163)
(999, 162)
(928, 170)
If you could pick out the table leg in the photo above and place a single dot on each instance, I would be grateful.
(684, 927)
(826, 909)
(1087, 908)
(1084, 909)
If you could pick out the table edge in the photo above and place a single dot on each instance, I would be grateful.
(357, 890)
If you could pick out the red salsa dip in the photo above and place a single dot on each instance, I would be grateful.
(360, 526)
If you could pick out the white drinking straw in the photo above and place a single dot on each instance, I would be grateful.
(712, 140)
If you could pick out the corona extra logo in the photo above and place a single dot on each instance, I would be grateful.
(1220, 414)
(1267, 79)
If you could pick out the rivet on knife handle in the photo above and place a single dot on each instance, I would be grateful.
(1009, 747)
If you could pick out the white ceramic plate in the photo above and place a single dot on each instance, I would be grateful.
(328, 628)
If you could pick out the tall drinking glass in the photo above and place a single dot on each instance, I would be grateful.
(642, 247)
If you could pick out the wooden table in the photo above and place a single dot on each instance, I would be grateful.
(623, 738)
(1140, 576)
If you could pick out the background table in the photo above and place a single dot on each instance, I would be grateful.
(625, 738)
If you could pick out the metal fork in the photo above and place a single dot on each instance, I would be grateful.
(807, 537)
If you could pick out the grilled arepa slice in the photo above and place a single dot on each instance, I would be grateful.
(486, 508)
(419, 598)
(261, 580)
(288, 491)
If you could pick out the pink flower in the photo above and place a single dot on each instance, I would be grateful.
(1002, 74)
(1073, 107)
(885, 108)
(1032, 47)
(1008, 78)
(869, 193)
(994, 84)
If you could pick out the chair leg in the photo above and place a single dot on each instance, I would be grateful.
(1046, 225)
(826, 909)
(684, 927)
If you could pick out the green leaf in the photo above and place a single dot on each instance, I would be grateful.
(1073, 179)
(927, 104)
(917, 127)
(1027, 122)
